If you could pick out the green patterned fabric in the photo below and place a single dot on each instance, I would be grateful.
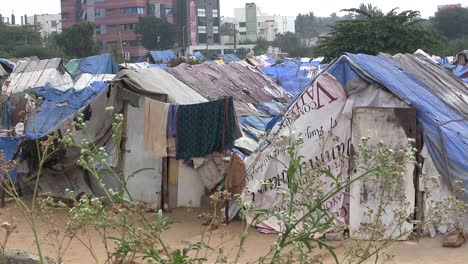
(206, 128)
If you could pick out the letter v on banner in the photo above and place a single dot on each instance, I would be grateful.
(309, 92)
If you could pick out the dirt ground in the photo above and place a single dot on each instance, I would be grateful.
(189, 229)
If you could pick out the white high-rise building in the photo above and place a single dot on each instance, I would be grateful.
(266, 27)
(46, 24)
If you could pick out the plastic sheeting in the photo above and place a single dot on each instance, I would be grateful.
(58, 107)
(445, 131)
(228, 58)
(7, 64)
(436, 78)
(161, 57)
(154, 81)
(9, 145)
(100, 64)
(30, 74)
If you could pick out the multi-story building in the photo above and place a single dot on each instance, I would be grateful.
(115, 20)
(198, 22)
(46, 24)
(444, 7)
(251, 24)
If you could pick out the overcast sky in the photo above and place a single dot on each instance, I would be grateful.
(279, 7)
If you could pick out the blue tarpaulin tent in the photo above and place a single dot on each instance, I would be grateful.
(162, 57)
(58, 107)
(100, 64)
(228, 58)
(9, 145)
(445, 131)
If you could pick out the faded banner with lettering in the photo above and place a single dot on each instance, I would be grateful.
(316, 117)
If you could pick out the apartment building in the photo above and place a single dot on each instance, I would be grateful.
(251, 24)
(115, 20)
(46, 24)
(198, 22)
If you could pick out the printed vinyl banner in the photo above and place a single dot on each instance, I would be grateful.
(316, 117)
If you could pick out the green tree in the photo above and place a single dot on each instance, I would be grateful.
(226, 29)
(307, 25)
(35, 50)
(369, 9)
(78, 41)
(261, 47)
(155, 33)
(391, 33)
(12, 37)
(452, 23)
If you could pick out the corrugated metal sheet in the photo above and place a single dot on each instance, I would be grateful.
(441, 82)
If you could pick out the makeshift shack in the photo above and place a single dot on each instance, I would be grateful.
(387, 99)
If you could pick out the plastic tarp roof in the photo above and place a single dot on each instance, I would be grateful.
(243, 83)
(59, 106)
(31, 73)
(155, 81)
(164, 56)
(293, 76)
(99, 64)
(228, 58)
(445, 131)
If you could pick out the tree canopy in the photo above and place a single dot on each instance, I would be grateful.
(155, 33)
(452, 23)
(12, 37)
(78, 41)
(390, 33)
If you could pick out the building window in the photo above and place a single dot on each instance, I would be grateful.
(243, 33)
(100, 29)
(53, 23)
(215, 30)
(201, 21)
(201, 29)
(201, 38)
(65, 16)
(110, 11)
(242, 24)
(215, 13)
(100, 12)
(127, 27)
(99, 1)
(216, 38)
(201, 12)
(132, 11)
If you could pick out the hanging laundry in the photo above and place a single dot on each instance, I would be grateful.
(172, 130)
(7, 109)
(206, 128)
(155, 135)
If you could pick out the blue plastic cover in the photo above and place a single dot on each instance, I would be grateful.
(59, 106)
(199, 55)
(9, 145)
(164, 56)
(7, 64)
(445, 132)
(291, 75)
(259, 123)
(100, 64)
(228, 58)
